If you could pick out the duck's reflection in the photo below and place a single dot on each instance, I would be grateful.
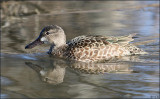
(53, 70)
(97, 68)
(51, 73)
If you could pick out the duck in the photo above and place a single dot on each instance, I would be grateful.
(85, 48)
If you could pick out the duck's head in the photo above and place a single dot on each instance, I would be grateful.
(51, 34)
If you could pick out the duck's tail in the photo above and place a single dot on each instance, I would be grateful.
(132, 35)
(134, 50)
(124, 40)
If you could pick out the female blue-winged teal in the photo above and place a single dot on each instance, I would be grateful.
(85, 48)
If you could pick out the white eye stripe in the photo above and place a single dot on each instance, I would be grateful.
(43, 39)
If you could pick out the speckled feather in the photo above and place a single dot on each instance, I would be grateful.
(97, 48)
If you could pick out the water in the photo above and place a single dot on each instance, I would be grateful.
(33, 74)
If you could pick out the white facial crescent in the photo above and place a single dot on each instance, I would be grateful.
(43, 39)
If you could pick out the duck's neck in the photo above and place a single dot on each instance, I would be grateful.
(55, 47)
(58, 50)
(60, 41)
(59, 45)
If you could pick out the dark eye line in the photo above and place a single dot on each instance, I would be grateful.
(47, 33)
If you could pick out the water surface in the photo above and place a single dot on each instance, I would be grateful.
(33, 74)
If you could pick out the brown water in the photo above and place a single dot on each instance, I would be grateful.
(33, 74)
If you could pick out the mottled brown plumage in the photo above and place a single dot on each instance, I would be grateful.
(87, 48)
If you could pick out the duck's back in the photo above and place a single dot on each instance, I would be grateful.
(96, 48)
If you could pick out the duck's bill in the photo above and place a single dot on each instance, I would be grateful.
(34, 43)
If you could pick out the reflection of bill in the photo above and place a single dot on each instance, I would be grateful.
(53, 75)
(54, 71)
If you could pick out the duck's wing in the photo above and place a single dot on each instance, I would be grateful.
(94, 48)
(86, 40)
(121, 40)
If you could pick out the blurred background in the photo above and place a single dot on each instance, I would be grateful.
(22, 21)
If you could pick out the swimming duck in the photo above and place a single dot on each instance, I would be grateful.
(85, 48)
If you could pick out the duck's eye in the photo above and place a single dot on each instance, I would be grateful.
(47, 33)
